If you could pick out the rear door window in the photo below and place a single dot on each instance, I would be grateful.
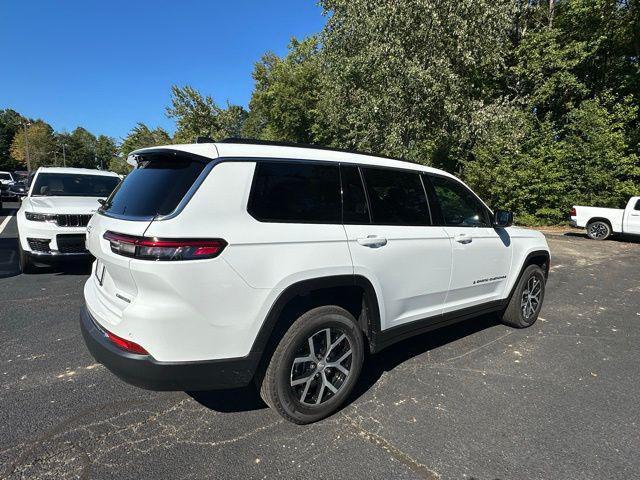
(396, 197)
(293, 192)
(156, 187)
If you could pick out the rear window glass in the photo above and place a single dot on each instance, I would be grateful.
(156, 187)
(73, 185)
(5, 176)
(295, 193)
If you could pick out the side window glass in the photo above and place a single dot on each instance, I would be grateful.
(396, 197)
(291, 192)
(460, 207)
(354, 202)
(637, 207)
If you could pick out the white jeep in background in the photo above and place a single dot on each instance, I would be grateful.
(223, 263)
(53, 217)
(601, 223)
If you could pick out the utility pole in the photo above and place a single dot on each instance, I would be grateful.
(26, 146)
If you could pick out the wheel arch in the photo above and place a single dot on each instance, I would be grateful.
(600, 219)
(542, 258)
(355, 293)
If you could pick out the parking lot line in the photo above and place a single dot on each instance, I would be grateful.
(6, 220)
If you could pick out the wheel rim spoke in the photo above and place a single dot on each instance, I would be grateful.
(300, 381)
(315, 377)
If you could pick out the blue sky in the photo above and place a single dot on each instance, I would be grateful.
(108, 65)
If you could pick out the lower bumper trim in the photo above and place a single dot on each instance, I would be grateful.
(146, 372)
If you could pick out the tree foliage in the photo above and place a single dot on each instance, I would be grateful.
(286, 93)
(199, 116)
(41, 145)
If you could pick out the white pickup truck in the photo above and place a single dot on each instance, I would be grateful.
(601, 223)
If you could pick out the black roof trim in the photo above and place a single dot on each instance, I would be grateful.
(254, 141)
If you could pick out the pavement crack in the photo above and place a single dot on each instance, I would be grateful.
(404, 458)
(469, 352)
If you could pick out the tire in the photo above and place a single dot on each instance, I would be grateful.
(310, 399)
(514, 315)
(26, 264)
(598, 230)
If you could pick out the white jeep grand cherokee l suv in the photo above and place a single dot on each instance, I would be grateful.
(222, 263)
(52, 218)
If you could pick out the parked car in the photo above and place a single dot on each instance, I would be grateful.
(601, 223)
(222, 263)
(17, 190)
(52, 218)
(6, 178)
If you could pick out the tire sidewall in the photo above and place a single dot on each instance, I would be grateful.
(602, 223)
(531, 270)
(318, 321)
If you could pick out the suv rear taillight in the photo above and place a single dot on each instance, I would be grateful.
(164, 249)
(573, 212)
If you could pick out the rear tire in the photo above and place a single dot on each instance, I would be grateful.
(526, 302)
(598, 230)
(315, 366)
(26, 264)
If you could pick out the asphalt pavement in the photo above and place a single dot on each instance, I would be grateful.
(477, 400)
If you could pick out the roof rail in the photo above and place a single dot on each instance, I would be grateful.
(255, 141)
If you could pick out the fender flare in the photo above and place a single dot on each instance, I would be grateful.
(369, 320)
(526, 262)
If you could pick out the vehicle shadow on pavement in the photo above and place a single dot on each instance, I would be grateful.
(9, 257)
(10, 262)
(247, 398)
(243, 399)
(395, 355)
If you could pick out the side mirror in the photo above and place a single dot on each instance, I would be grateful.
(102, 201)
(502, 218)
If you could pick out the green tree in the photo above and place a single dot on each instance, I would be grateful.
(10, 122)
(404, 78)
(106, 150)
(286, 93)
(41, 145)
(601, 169)
(141, 137)
(80, 148)
(199, 116)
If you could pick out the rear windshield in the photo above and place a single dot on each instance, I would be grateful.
(5, 176)
(71, 185)
(156, 187)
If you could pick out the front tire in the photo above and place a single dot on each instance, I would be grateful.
(315, 366)
(598, 230)
(526, 302)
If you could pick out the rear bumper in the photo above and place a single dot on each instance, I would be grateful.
(146, 372)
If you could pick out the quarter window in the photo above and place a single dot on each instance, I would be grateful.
(295, 193)
(396, 197)
(459, 206)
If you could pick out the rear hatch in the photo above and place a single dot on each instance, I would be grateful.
(160, 186)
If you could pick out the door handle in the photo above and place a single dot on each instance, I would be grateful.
(463, 238)
(372, 241)
(635, 214)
